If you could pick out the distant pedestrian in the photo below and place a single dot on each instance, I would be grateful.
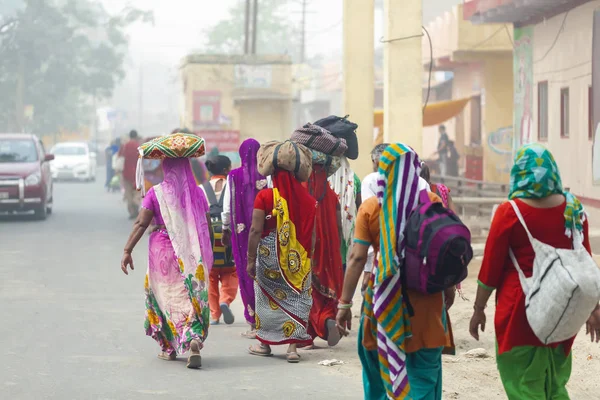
(223, 277)
(180, 258)
(442, 150)
(130, 154)
(528, 368)
(109, 153)
(243, 184)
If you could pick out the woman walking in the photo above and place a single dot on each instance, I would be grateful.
(327, 268)
(401, 355)
(180, 258)
(279, 259)
(244, 183)
(528, 369)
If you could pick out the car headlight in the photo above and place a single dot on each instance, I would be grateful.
(33, 179)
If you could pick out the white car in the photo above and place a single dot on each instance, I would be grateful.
(73, 160)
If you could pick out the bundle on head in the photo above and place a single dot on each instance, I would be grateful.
(342, 128)
(287, 155)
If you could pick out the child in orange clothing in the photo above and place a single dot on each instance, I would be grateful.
(219, 299)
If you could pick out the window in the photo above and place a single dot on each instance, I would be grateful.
(543, 111)
(18, 151)
(564, 112)
(590, 113)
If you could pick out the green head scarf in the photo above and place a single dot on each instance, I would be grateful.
(535, 175)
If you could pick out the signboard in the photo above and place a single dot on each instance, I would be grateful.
(225, 141)
(253, 76)
(523, 75)
(596, 98)
(207, 108)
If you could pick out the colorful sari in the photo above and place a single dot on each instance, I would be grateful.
(180, 259)
(283, 268)
(245, 182)
(346, 187)
(327, 270)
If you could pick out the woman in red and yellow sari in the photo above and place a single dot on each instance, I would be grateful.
(279, 259)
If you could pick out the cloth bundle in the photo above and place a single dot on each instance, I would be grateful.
(320, 139)
(344, 129)
(175, 145)
(333, 162)
(287, 155)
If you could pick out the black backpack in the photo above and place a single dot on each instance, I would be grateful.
(223, 256)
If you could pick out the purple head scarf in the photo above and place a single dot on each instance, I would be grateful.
(245, 183)
(183, 207)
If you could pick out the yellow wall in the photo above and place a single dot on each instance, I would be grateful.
(497, 118)
(264, 114)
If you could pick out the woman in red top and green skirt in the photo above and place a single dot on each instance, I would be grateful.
(528, 368)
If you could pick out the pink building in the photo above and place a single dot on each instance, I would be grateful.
(553, 72)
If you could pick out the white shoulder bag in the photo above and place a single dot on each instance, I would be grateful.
(563, 290)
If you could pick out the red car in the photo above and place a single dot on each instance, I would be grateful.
(25, 177)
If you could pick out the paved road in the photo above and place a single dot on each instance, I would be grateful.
(71, 324)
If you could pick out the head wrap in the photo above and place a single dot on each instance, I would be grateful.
(399, 168)
(535, 175)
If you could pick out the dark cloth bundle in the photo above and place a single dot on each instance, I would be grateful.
(320, 139)
(343, 129)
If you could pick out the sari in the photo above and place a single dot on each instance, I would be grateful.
(327, 270)
(283, 270)
(245, 182)
(180, 258)
(346, 187)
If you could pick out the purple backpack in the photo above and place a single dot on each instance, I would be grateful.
(438, 247)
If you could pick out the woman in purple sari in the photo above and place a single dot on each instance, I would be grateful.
(244, 183)
(180, 259)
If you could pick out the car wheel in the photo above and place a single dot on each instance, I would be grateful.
(49, 206)
(41, 213)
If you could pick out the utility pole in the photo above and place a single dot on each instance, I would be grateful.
(359, 76)
(254, 24)
(403, 72)
(141, 100)
(303, 43)
(247, 29)
(20, 94)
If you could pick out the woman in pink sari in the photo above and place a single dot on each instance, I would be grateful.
(180, 259)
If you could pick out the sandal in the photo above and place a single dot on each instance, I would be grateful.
(194, 360)
(292, 357)
(251, 334)
(260, 350)
(163, 355)
(333, 333)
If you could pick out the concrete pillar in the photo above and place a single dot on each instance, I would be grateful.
(403, 74)
(359, 76)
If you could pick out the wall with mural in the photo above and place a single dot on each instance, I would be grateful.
(523, 96)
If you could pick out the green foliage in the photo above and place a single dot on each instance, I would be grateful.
(65, 53)
(276, 33)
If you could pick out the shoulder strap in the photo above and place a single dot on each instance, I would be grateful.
(521, 220)
(222, 198)
(210, 193)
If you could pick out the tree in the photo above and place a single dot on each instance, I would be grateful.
(57, 56)
(276, 33)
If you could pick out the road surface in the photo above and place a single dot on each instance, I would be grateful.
(71, 324)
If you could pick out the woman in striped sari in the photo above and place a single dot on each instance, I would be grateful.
(401, 354)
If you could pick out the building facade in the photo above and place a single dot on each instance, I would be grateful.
(553, 68)
(228, 99)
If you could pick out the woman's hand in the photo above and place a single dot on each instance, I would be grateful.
(226, 238)
(450, 296)
(251, 268)
(343, 321)
(365, 281)
(477, 320)
(592, 326)
(126, 261)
